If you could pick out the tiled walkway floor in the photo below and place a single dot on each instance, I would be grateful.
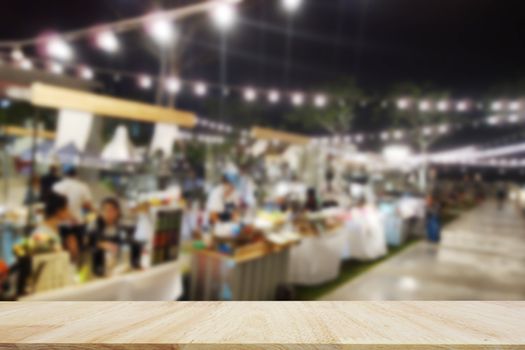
(481, 257)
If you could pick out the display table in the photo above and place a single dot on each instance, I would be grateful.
(159, 283)
(365, 235)
(251, 275)
(263, 326)
(317, 259)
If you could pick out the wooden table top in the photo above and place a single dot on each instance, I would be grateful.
(260, 325)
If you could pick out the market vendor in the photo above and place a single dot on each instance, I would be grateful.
(223, 201)
(107, 235)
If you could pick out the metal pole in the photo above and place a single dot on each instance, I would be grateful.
(32, 173)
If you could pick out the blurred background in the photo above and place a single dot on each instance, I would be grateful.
(262, 150)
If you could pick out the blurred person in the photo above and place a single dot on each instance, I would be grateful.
(192, 186)
(433, 219)
(79, 199)
(47, 182)
(223, 201)
(247, 188)
(46, 236)
(107, 235)
(311, 203)
(330, 195)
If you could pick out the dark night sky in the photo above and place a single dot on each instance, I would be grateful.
(464, 45)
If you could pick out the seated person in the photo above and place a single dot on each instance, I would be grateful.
(46, 237)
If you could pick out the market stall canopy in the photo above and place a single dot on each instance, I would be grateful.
(60, 98)
(275, 135)
(120, 148)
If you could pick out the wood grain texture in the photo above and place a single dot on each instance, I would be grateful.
(56, 97)
(286, 137)
(260, 325)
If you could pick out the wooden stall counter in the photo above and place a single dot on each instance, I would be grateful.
(299, 325)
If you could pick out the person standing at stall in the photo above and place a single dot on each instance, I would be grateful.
(223, 201)
(46, 237)
(79, 198)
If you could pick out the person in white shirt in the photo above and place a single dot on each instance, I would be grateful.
(77, 193)
(223, 201)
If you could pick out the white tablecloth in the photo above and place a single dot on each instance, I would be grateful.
(365, 234)
(159, 283)
(316, 260)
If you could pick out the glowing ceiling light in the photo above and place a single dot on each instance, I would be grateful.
(200, 89)
(26, 64)
(398, 134)
(274, 96)
(443, 106)
(320, 101)
(173, 85)
(443, 129)
(86, 73)
(297, 99)
(17, 55)
(145, 82)
(57, 48)
(224, 15)
(427, 131)
(514, 118)
(494, 120)
(496, 106)
(462, 106)
(291, 5)
(107, 41)
(424, 106)
(403, 103)
(385, 136)
(56, 68)
(515, 106)
(250, 94)
(161, 30)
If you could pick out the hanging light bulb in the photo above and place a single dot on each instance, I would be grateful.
(86, 73)
(57, 48)
(403, 103)
(145, 82)
(224, 14)
(297, 99)
(443, 106)
(26, 64)
(398, 134)
(515, 106)
(320, 101)
(385, 136)
(493, 120)
(274, 96)
(107, 41)
(56, 68)
(17, 55)
(427, 131)
(462, 106)
(250, 94)
(443, 129)
(424, 106)
(200, 89)
(514, 118)
(497, 106)
(161, 30)
(291, 5)
(173, 85)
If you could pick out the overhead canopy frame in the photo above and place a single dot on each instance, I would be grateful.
(270, 134)
(13, 130)
(49, 96)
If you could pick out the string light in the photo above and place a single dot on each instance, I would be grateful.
(145, 82)
(200, 89)
(497, 106)
(514, 118)
(173, 85)
(107, 41)
(320, 101)
(462, 106)
(274, 96)
(56, 68)
(26, 64)
(224, 15)
(291, 5)
(443, 106)
(403, 103)
(424, 106)
(515, 106)
(57, 48)
(86, 73)
(250, 94)
(17, 55)
(297, 99)
(161, 30)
